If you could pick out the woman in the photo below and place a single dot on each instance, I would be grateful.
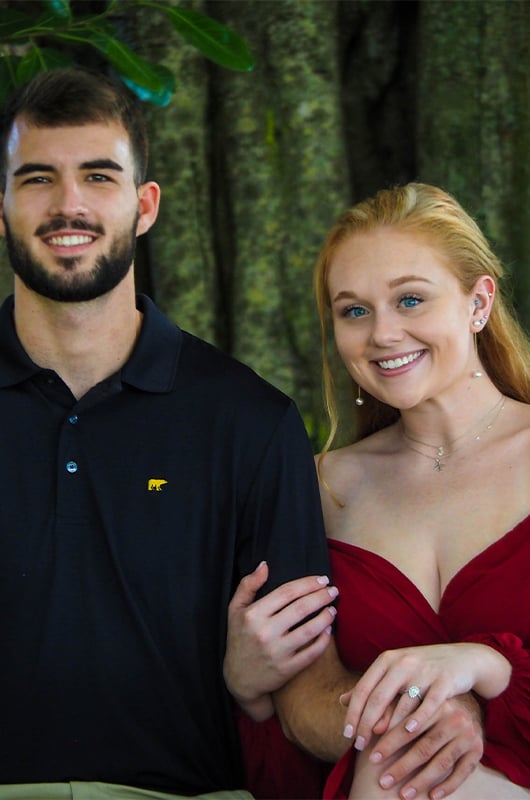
(428, 512)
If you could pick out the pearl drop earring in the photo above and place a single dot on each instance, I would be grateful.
(359, 400)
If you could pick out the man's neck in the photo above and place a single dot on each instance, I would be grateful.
(84, 343)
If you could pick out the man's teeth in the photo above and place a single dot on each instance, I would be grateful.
(70, 241)
(394, 363)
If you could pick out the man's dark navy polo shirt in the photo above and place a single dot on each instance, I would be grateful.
(126, 520)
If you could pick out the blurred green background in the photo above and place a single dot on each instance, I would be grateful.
(346, 97)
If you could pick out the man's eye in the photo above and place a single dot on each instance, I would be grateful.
(97, 177)
(37, 179)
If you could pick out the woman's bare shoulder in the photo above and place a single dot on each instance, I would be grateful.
(346, 471)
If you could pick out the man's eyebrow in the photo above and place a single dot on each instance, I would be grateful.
(98, 163)
(31, 166)
(102, 163)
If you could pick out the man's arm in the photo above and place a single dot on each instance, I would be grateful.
(309, 709)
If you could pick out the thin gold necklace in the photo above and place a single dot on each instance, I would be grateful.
(441, 453)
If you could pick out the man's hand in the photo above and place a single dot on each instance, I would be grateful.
(436, 757)
(446, 751)
(268, 642)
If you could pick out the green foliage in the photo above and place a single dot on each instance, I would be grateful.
(32, 43)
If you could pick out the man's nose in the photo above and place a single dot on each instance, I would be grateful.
(68, 199)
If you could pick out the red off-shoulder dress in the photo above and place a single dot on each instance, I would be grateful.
(487, 601)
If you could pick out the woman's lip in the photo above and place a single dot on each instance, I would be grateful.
(399, 362)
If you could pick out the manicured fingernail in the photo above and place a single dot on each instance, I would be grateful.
(323, 580)
(411, 725)
(333, 592)
(360, 743)
(341, 700)
(261, 563)
(332, 610)
(386, 781)
(438, 794)
(410, 793)
(348, 732)
(376, 757)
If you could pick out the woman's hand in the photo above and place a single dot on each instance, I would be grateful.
(438, 672)
(268, 642)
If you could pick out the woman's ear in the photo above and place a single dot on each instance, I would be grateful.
(148, 204)
(482, 296)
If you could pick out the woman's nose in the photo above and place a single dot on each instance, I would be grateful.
(386, 328)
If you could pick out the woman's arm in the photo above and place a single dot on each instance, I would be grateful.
(437, 672)
(268, 641)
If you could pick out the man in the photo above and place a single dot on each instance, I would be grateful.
(144, 474)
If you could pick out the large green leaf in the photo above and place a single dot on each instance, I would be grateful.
(156, 80)
(132, 66)
(160, 98)
(214, 40)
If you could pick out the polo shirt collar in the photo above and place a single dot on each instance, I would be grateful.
(152, 366)
(153, 363)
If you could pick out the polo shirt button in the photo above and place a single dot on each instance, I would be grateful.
(73, 419)
(71, 466)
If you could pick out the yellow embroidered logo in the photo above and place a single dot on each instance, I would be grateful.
(155, 484)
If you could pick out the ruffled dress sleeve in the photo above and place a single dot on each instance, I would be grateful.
(507, 717)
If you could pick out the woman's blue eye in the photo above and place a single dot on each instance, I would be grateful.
(410, 300)
(354, 312)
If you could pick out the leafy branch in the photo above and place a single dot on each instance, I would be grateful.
(29, 45)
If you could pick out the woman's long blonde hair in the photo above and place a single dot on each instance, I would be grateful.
(503, 347)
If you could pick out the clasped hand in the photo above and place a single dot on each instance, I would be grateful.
(439, 672)
(439, 740)
(267, 642)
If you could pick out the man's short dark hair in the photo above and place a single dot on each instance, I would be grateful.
(76, 96)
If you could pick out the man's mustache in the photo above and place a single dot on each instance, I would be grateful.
(59, 223)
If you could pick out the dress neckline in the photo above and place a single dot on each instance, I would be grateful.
(456, 578)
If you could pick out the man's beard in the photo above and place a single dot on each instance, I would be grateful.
(108, 271)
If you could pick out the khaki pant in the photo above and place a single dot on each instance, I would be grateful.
(94, 790)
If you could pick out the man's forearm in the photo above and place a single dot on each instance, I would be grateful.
(309, 710)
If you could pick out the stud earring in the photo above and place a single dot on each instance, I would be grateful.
(359, 400)
(478, 323)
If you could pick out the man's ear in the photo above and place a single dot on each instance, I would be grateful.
(148, 203)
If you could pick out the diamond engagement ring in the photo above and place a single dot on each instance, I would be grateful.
(413, 692)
